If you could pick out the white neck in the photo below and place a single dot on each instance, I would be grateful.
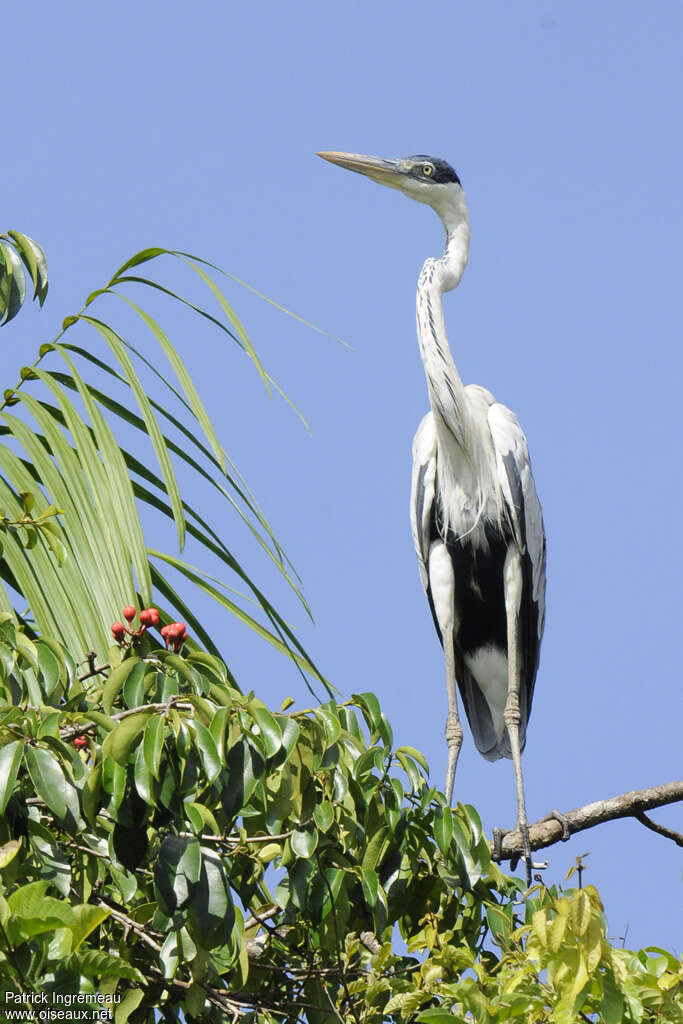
(453, 214)
(464, 486)
(438, 276)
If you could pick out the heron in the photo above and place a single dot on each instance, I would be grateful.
(476, 519)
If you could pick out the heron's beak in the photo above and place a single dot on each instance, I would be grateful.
(384, 172)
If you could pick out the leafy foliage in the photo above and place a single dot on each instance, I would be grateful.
(16, 249)
(205, 853)
(170, 845)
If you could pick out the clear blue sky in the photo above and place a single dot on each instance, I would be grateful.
(146, 123)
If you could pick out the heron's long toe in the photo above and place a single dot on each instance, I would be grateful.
(558, 816)
(498, 837)
(497, 852)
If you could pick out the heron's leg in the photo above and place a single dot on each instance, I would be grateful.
(453, 726)
(512, 713)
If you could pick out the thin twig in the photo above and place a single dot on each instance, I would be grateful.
(128, 922)
(174, 702)
(235, 840)
(662, 830)
(92, 671)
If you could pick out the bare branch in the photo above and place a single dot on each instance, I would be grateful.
(661, 830)
(548, 831)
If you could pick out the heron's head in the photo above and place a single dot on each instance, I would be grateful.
(425, 178)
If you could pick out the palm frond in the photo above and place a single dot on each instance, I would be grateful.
(81, 554)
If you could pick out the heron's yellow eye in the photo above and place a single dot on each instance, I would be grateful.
(427, 170)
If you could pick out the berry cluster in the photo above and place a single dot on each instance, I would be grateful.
(174, 634)
(80, 742)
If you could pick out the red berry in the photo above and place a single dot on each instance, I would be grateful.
(129, 613)
(179, 635)
(146, 617)
(80, 742)
(154, 616)
(119, 631)
(165, 630)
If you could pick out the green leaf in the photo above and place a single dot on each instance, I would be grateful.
(134, 686)
(212, 908)
(153, 743)
(34, 913)
(103, 965)
(9, 851)
(201, 818)
(244, 767)
(195, 1000)
(500, 923)
(91, 794)
(370, 887)
(369, 705)
(376, 849)
(48, 778)
(268, 727)
(88, 918)
(207, 749)
(580, 910)
(34, 261)
(416, 756)
(217, 729)
(443, 828)
(177, 872)
(144, 780)
(437, 1016)
(408, 764)
(304, 842)
(169, 954)
(50, 668)
(323, 814)
(115, 681)
(612, 1005)
(12, 283)
(120, 741)
(331, 725)
(130, 1002)
(10, 759)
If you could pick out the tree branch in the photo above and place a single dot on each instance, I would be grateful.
(661, 830)
(548, 831)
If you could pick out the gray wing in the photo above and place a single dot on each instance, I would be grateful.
(523, 513)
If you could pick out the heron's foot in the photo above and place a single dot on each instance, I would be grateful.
(498, 837)
(497, 852)
(558, 816)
